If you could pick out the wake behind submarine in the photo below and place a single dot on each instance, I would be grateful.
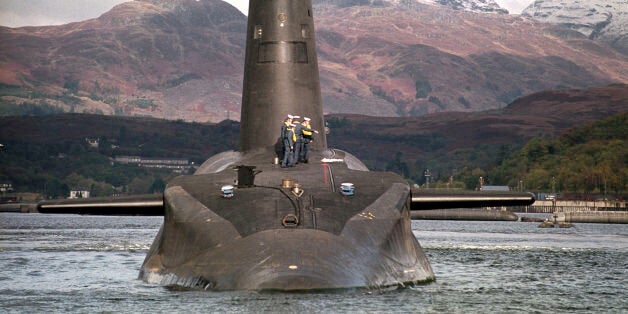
(293, 228)
(272, 234)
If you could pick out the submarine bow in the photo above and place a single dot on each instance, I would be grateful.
(198, 248)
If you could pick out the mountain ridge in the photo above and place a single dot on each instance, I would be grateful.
(183, 60)
(604, 20)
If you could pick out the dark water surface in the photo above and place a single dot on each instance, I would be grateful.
(70, 263)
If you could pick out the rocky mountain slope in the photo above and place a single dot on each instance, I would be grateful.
(440, 60)
(169, 59)
(604, 20)
(183, 59)
(480, 6)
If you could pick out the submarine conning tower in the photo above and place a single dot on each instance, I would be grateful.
(280, 72)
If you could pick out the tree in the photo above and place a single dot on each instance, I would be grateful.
(397, 165)
(72, 85)
(158, 185)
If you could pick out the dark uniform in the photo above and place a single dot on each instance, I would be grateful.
(287, 135)
(298, 145)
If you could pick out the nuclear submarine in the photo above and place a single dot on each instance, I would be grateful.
(284, 228)
(242, 222)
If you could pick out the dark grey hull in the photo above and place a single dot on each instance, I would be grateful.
(210, 242)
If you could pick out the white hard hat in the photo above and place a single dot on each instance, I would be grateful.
(306, 119)
(290, 116)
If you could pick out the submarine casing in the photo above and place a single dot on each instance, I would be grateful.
(240, 243)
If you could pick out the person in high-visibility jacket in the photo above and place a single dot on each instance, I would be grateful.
(287, 137)
(306, 133)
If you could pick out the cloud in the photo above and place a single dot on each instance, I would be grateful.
(17, 19)
(242, 5)
(514, 6)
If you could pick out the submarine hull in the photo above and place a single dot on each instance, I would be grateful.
(208, 241)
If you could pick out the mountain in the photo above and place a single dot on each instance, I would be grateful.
(604, 20)
(176, 59)
(183, 59)
(443, 60)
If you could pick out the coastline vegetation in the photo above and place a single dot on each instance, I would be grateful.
(588, 159)
(43, 155)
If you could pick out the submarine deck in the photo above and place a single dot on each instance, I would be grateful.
(264, 205)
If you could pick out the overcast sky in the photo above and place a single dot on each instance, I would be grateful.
(16, 13)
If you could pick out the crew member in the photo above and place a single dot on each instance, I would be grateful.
(287, 133)
(306, 130)
(298, 140)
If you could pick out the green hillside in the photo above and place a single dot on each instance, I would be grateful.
(589, 159)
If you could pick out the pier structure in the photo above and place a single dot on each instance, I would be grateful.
(567, 206)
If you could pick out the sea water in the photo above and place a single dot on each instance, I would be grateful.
(72, 263)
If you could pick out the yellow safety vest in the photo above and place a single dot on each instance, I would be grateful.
(294, 135)
(307, 125)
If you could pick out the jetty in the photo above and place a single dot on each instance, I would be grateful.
(567, 206)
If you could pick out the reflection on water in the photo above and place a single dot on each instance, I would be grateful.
(54, 263)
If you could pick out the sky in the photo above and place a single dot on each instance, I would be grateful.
(16, 13)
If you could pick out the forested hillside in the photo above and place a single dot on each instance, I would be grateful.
(589, 159)
(51, 154)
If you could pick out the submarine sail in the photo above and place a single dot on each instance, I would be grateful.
(280, 71)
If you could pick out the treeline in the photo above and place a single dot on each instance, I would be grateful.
(53, 169)
(424, 158)
(587, 159)
(51, 154)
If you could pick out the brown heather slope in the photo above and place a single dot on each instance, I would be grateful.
(573, 106)
(455, 137)
(170, 59)
(183, 59)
